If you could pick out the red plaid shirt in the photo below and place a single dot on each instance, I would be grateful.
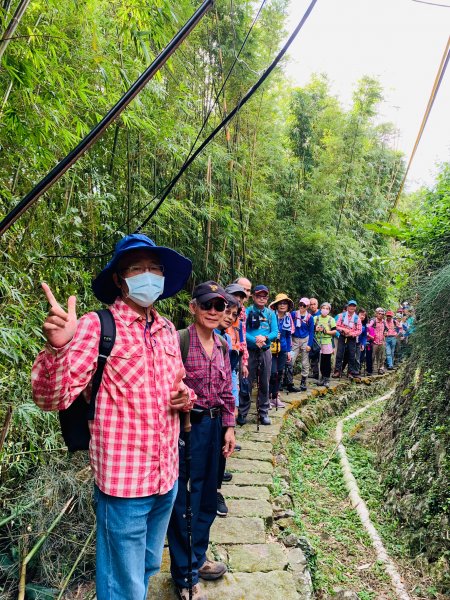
(134, 436)
(349, 327)
(210, 378)
(380, 328)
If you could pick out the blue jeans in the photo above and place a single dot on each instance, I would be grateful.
(130, 541)
(391, 342)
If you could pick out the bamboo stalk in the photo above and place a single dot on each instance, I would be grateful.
(19, 511)
(74, 566)
(5, 427)
(37, 546)
(9, 31)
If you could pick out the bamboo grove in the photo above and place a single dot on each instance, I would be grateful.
(283, 195)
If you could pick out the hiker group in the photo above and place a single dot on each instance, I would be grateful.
(157, 472)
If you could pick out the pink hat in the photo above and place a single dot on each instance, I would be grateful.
(304, 301)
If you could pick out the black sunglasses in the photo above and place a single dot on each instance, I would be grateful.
(302, 305)
(218, 304)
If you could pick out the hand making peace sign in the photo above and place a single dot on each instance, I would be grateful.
(59, 326)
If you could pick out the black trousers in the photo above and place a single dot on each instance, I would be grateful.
(206, 435)
(348, 343)
(325, 365)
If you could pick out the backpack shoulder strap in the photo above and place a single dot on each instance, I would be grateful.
(107, 339)
(224, 344)
(184, 343)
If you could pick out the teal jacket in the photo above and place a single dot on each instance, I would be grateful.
(268, 326)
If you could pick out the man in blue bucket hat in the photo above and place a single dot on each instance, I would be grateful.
(134, 434)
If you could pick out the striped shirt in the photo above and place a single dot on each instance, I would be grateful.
(210, 378)
(134, 436)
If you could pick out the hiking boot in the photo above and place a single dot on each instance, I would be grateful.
(337, 375)
(326, 382)
(321, 381)
(292, 389)
(227, 477)
(303, 387)
(381, 371)
(241, 420)
(279, 404)
(197, 593)
(212, 569)
(222, 508)
(265, 421)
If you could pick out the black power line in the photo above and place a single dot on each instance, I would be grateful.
(111, 116)
(228, 118)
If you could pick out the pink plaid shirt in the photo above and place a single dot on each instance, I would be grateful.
(134, 436)
(380, 328)
(351, 329)
(210, 378)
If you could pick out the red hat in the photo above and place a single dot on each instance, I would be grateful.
(389, 313)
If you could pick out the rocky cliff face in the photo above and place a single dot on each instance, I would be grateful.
(414, 455)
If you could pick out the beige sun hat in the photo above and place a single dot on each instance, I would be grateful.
(279, 298)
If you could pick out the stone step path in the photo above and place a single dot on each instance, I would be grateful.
(260, 567)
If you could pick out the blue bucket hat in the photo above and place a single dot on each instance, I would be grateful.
(177, 268)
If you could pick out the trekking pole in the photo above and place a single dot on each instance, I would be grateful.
(258, 374)
(187, 457)
(277, 376)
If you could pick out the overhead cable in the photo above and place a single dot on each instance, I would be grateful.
(109, 118)
(437, 82)
(228, 118)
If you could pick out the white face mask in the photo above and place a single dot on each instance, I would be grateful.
(145, 288)
(324, 311)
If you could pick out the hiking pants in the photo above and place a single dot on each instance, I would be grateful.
(299, 347)
(378, 357)
(366, 358)
(259, 369)
(325, 365)
(391, 342)
(278, 363)
(348, 343)
(206, 436)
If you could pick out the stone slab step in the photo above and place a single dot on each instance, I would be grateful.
(258, 437)
(253, 479)
(257, 558)
(252, 492)
(238, 530)
(249, 466)
(258, 446)
(253, 586)
(233, 586)
(254, 454)
(243, 507)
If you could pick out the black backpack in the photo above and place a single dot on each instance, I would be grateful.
(185, 339)
(74, 420)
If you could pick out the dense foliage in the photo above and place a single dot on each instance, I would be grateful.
(414, 434)
(282, 195)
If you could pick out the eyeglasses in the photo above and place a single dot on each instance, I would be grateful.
(218, 304)
(139, 269)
